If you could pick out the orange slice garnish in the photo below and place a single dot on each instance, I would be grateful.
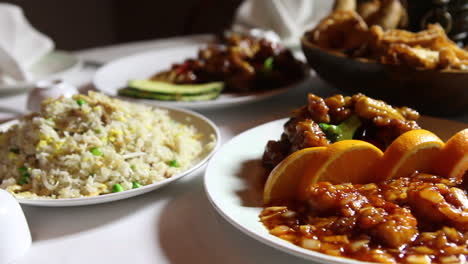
(452, 162)
(356, 161)
(349, 161)
(344, 161)
(412, 151)
(282, 183)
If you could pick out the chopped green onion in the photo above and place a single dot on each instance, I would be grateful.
(80, 102)
(96, 151)
(117, 188)
(98, 131)
(24, 175)
(136, 185)
(15, 150)
(173, 163)
(268, 64)
(23, 170)
(133, 167)
(23, 180)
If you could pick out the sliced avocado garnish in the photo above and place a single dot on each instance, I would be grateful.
(345, 130)
(168, 97)
(170, 88)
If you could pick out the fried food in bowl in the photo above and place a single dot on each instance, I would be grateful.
(425, 69)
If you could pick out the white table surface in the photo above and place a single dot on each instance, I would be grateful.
(175, 224)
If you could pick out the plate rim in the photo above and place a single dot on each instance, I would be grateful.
(198, 105)
(111, 197)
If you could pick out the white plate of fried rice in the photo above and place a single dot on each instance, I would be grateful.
(92, 149)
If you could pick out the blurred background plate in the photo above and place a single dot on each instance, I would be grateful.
(116, 74)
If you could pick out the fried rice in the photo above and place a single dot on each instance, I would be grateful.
(92, 145)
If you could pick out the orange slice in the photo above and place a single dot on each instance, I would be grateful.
(350, 161)
(452, 162)
(412, 151)
(283, 180)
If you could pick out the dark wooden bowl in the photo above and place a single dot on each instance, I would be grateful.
(433, 92)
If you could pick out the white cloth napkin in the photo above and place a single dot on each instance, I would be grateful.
(20, 45)
(288, 18)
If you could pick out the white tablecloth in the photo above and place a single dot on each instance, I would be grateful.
(175, 224)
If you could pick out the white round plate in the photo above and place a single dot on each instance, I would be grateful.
(53, 65)
(116, 74)
(234, 183)
(201, 123)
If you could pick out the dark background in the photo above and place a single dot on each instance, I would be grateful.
(74, 24)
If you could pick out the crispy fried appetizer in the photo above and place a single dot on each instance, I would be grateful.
(388, 14)
(347, 32)
(345, 5)
(428, 49)
(344, 30)
(401, 54)
(397, 36)
(368, 9)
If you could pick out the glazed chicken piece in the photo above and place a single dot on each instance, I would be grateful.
(326, 198)
(304, 134)
(439, 203)
(416, 219)
(394, 226)
(383, 221)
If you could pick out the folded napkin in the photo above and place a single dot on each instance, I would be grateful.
(20, 45)
(288, 18)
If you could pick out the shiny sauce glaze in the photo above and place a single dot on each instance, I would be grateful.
(418, 219)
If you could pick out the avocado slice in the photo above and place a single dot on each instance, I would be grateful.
(173, 89)
(168, 97)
